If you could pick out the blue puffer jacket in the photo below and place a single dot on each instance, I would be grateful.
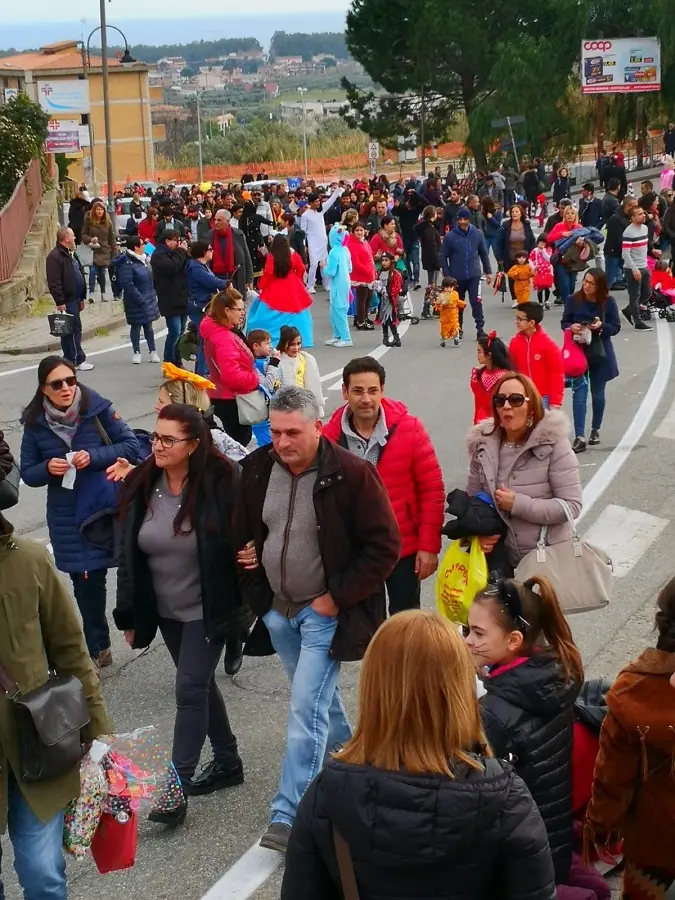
(202, 285)
(68, 511)
(462, 253)
(135, 280)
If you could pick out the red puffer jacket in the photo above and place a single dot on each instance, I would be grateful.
(231, 364)
(540, 358)
(411, 473)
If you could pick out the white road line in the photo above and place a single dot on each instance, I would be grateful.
(602, 479)
(377, 353)
(246, 875)
(124, 346)
(625, 535)
(667, 427)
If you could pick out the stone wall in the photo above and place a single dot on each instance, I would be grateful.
(29, 280)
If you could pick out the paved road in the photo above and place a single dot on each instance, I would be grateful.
(633, 511)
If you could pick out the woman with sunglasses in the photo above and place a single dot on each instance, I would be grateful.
(71, 435)
(522, 458)
(532, 673)
(177, 574)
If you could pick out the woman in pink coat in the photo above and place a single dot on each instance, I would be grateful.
(230, 362)
(363, 275)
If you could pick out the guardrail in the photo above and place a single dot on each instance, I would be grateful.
(16, 218)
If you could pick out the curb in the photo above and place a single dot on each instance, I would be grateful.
(54, 344)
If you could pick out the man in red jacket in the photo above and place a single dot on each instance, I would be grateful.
(534, 353)
(383, 432)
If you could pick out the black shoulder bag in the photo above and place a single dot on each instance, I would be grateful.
(48, 723)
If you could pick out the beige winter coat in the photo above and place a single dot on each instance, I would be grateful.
(104, 233)
(545, 468)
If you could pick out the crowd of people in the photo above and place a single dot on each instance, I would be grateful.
(315, 544)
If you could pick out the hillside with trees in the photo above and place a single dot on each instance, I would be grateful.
(309, 45)
(196, 51)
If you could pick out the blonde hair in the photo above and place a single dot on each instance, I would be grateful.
(184, 392)
(418, 709)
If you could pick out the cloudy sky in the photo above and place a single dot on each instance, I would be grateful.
(48, 10)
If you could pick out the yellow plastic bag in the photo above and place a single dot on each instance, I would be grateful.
(461, 575)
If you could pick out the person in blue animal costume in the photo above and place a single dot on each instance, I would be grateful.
(338, 269)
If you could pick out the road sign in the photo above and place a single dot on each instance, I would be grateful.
(373, 167)
(373, 150)
(509, 120)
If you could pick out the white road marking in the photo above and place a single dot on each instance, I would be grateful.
(667, 427)
(377, 353)
(246, 875)
(602, 479)
(625, 535)
(124, 346)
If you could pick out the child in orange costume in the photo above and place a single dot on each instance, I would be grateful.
(521, 275)
(448, 305)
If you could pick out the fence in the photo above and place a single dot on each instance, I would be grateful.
(16, 218)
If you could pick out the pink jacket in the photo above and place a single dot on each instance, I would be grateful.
(546, 468)
(231, 365)
(363, 261)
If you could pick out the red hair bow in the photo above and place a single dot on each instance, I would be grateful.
(491, 337)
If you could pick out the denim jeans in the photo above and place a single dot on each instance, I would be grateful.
(135, 337)
(317, 721)
(97, 273)
(71, 344)
(613, 270)
(175, 326)
(412, 255)
(200, 366)
(565, 281)
(38, 858)
(597, 383)
(638, 291)
(90, 594)
(471, 287)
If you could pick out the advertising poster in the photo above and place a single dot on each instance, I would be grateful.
(620, 66)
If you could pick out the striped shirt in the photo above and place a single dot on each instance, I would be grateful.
(634, 247)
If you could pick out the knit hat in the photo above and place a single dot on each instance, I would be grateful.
(463, 213)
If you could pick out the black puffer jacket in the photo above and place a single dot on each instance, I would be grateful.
(528, 712)
(476, 837)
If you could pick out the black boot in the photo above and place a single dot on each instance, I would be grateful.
(216, 776)
(170, 810)
(234, 656)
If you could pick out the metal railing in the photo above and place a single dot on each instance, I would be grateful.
(16, 218)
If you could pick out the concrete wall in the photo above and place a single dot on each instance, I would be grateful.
(29, 280)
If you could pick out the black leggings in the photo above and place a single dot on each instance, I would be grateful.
(363, 295)
(227, 412)
(544, 295)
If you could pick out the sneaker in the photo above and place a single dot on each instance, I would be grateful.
(627, 314)
(104, 299)
(579, 445)
(641, 325)
(104, 659)
(559, 301)
(514, 305)
(276, 837)
(418, 287)
(215, 776)
(461, 332)
(595, 437)
(456, 341)
(85, 367)
(397, 342)
(154, 357)
(368, 325)
(442, 343)
(311, 291)
(91, 298)
(331, 342)
(234, 656)
(136, 359)
(547, 304)
(480, 333)
(343, 344)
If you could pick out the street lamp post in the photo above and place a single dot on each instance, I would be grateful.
(199, 136)
(302, 91)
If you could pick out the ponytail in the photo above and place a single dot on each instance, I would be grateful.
(554, 628)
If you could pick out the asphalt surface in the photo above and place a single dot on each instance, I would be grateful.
(434, 382)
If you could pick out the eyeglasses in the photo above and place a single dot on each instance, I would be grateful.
(514, 400)
(522, 319)
(58, 383)
(167, 441)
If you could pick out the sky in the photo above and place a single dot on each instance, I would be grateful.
(49, 11)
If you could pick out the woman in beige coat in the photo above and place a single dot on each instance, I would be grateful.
(524, 460)
(98, 232)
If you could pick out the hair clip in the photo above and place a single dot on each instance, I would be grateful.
(510, 599)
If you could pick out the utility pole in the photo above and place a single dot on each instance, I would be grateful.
(302, 91)
(106, 113)
(600, 123)
(199, 136)
(422, 133)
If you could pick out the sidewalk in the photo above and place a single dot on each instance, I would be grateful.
(31, 333)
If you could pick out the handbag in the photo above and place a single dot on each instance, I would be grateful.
(350, 888)
(115, 841)
(254, 407)
(574, 358)
(48, 722)
(9, 487)
(61, 324)
(581, 574)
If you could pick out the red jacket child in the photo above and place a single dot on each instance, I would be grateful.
(534, 353)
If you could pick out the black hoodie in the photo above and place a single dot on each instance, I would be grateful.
(528, 715)
(429, 837)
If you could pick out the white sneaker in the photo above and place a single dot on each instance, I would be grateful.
(343, 344)
(136, 359)
(154, 358)
(514, 305)
(331, 342)
(85, 367)
(311, 291)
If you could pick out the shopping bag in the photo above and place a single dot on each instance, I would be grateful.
(462, 574)
(115, 841)
(574, 358)
(61, 324)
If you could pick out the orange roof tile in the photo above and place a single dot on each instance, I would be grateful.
(68, 59)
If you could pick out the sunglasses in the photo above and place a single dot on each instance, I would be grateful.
(515, 401)
(166, 441)
(58, 383)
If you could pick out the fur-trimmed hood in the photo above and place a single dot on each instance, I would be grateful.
(553, 427)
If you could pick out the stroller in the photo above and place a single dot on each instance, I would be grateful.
(406, 311)
(659, 304)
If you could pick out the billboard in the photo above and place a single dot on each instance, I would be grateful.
(63, 136)
(620, 66)
(67, 95)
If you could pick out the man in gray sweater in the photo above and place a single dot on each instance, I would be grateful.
(634, 251)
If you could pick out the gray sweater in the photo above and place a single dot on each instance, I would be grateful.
(634, 247)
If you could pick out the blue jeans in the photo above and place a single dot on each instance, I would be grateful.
(613, 270)
(317, 721)
(470, 286)
(597, 383)
(38, 858)
(90, 593)
(412, 255)
(565, 281)
(200, 366)
(97, 273)
(175, 326)
(71, 344)
(135, 337)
